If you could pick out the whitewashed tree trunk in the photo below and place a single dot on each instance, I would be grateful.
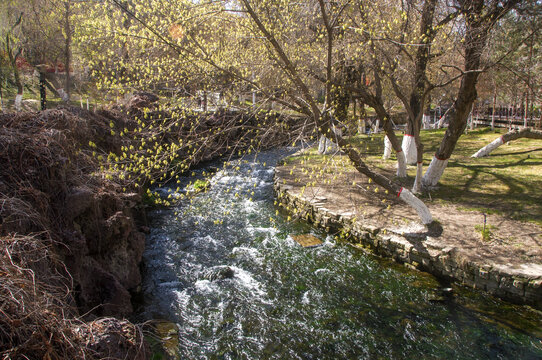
(18, 102)
(426, 121)
(417, 204)
(409, 148)
(489, 148)
(509, 136)
(63, 94)
(322, 144)
(387, 148)
(326, 146)
(321, 119)
(377, 127)
(361, 126)
(417, 187)
(401, 164)
(434, 172)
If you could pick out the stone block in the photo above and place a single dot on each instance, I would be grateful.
(518, 287)
(483, 273)
(491, 286)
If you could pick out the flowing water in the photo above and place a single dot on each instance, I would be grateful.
(237, 286)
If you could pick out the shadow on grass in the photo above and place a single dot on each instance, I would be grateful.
(494, 166)
(515, 153)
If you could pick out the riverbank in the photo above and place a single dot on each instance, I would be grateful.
(72, 217)
(507, 265)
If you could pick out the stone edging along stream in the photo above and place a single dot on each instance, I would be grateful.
(509, 283)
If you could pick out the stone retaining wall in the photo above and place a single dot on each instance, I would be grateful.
(517, 284)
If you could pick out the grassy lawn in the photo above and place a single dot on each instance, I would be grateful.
(508, 182)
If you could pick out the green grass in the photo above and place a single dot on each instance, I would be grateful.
(507, 182)
(485, 231)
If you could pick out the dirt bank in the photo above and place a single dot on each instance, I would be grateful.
(70, 248)
(70, 239)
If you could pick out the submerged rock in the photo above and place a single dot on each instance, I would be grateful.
(219, 273)
(186, 244)
(441, 295)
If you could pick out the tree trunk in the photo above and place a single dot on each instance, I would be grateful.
(329, 146)
(475, 41)
(361, 126)
(525, 116)
(494, 106)
(67, 52)
(409, 149)
(376, 128)
(394, 142)
(387, 148)
(19, 96)
(323, 119)
(419, 160)
(412, 146)
(417, 187)
(43, 92)
(16, 74)
(509, 136)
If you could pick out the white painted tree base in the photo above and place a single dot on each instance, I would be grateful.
(486, 150)
(63, 94)
(426, 121)
(376, 129)
(387, 148)
(321, 144)
(409, 148)
(417, 187)
(417, 204)
(434, 172)
(361, 127)
(326, 146)
(401, 164)
(18, 102)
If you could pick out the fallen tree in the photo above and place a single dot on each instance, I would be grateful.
(509, 136)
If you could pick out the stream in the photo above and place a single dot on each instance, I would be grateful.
(224, 269)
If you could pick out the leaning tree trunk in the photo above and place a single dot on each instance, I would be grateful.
(402, 193)
(510, 136)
